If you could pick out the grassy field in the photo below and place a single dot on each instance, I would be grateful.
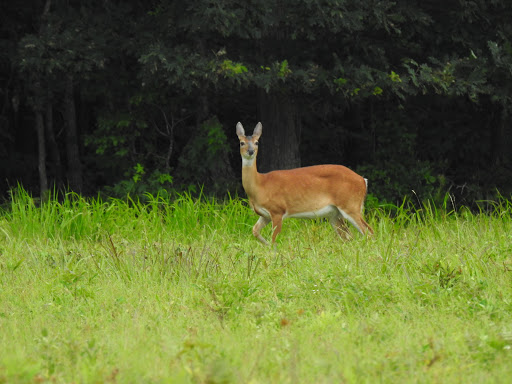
(118, 291)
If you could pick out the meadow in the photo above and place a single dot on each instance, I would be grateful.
(179, 291)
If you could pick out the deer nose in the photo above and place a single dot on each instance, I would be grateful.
(250, 152)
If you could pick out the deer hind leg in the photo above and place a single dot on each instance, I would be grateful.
(356, 219)
(340, 226)
(363, 226)
(256, 230)
(368, 230)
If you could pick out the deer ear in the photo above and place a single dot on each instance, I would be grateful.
(240, 130)
(257, 130)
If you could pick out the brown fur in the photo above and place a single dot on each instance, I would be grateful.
(295, 191)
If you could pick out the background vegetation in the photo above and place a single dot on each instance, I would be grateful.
(128, 96)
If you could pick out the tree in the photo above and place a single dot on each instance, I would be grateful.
(287, 56)
(69, 49)
(413, 94)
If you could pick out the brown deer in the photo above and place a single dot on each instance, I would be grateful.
(331, 191)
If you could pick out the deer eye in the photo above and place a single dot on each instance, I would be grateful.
(242, 143)
(256, 143)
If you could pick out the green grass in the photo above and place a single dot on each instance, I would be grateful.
(180, 291)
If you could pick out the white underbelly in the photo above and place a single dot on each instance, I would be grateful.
(327, 211)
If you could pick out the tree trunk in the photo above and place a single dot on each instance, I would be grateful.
(203, 104)
(74, 166)
(507, 133)
(41, 148)
(53, 148)
(280, 140)
(499, 137)
(38, 111)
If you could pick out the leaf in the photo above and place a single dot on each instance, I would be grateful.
(395, 77)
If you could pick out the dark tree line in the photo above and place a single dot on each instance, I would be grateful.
(126, 96)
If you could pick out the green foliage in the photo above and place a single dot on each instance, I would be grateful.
(114, 142)
(119, 142)
(69, 41)
(406, 179)
(438, 77)
(284, 70)
(139, 184)
(232, 69)
(114, 136)
(395, 77)
(204, 159)
(135, 64)
(396, 171)
(377, 91)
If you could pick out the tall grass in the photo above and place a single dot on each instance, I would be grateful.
(179, 291)
(71, 216)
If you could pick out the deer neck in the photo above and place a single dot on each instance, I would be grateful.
(250, 177)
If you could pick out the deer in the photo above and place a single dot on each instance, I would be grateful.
(327, 191)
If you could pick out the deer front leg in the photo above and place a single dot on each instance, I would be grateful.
(260, 224)
(277, 222)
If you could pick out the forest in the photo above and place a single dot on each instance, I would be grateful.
(126, 97)
(127, 247)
